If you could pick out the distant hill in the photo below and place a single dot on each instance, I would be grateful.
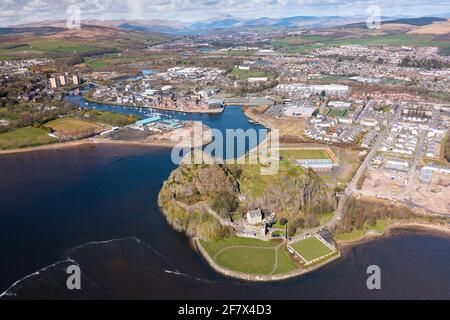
(229, 22)
(422, 21)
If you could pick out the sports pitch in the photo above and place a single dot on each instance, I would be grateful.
(311, 248)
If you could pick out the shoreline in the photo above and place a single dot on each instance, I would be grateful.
(413, 226)
(211, 111)
(343, 247)
(103, 141)
(254, 277)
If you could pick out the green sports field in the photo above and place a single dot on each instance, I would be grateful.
(311, 248)
(295, 154)
(250, 256)
(337, 113)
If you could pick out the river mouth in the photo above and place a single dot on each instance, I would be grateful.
(54, 200)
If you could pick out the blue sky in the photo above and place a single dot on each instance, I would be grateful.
(22, 11)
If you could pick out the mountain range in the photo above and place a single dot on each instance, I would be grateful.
(230, 22)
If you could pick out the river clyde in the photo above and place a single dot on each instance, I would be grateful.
(97, 206)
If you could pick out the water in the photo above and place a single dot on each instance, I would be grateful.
(72, 203)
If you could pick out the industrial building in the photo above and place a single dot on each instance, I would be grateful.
(316, 164)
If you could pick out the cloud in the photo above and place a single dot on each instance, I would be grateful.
(19, 11)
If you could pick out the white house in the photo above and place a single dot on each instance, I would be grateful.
(254, 216)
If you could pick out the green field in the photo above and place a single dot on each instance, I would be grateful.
(72, 127)
(113, 119)
(250, 255)
(46, 46)
(295, 154)
(24, 137)
(337, 113)
(311, 248)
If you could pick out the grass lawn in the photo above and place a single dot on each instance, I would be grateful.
(114, 119)
(285, 264)
(72, 127)
(354, 235)
(24, 137)
(247, 259)
(311, 248)
(294, 154)
(250, 255)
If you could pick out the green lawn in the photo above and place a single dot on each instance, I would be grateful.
(24, 137)
(285, 263)
(311, 248)
(349, 236)
(250, 255)
(114, 119)
(247, 259)
(294, 154)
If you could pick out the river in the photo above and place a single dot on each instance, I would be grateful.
(97, 205)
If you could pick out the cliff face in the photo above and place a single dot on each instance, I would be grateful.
(296, 195)
(190, 184)
(194, 183)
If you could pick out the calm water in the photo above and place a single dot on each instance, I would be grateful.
(73, 202)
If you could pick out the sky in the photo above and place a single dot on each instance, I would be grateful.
(23, 11)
